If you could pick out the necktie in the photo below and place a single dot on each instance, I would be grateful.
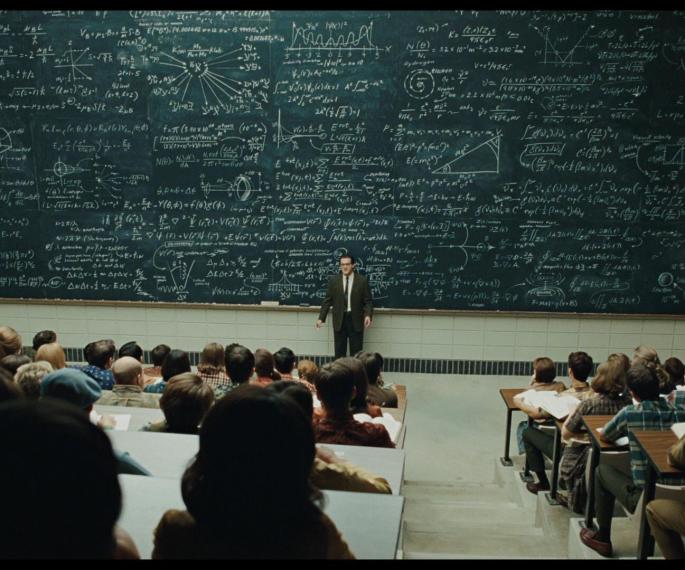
(347, 286)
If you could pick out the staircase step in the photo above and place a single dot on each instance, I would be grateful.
(454, 492)
(435, 515)
(624, 537)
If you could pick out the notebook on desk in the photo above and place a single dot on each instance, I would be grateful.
(554, 404)
(678, 429)
(390, 423)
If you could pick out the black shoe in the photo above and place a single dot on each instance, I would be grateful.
(536, 487)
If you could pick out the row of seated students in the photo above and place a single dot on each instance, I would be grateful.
(640, 394)
(271, 475)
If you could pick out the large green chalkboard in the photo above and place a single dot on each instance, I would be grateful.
(470, 160)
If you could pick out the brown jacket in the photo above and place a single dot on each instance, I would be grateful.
(360, 301)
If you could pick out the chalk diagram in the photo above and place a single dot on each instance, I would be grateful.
(179, 264)
(464, 247)
(483, 159)
(544, 287)
(208, 73)
(5, 145)
(674, 53)
(659, 156)
(105, 176)
(553, 54)
(242, 185)
(419, 84)
(598, 298)
(284, 287)
(286, 136)
(668, 281)
(305, 39)
(71, 60)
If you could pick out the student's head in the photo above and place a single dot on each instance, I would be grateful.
(307, 370)
(52, 353)
(622, 358)
(544, 370)
(643, 382)
(335, 386)
(610, 378)
(159, 353)
(648, 356)
(132, 349)
(255, 457)
(240, 363)
(61, 496)
(101, 353)
(675, 369)
(10, 341)
(212, 358)
(12, 362)
(185, 402)
(284, 360)
(361, 383)
(127, 371)
(8, 388)
(296, 392)
(43, 337)
(176, 362)
(373, 364)
(29, 376)
(264, 366)
(71, 385)
(580, 365)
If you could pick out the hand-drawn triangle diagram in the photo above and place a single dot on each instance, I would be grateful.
(483, 159)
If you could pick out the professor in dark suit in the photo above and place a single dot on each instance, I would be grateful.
(350, 296)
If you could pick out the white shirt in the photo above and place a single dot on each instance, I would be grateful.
(349, 290)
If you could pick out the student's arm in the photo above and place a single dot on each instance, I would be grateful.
(574, 422)
(615, 428)
(332, 473)
(533, 411)
(676, 455)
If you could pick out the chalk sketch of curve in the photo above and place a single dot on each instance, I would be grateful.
(543, 287)
(464, 247)
(286, 136)
(662, 155)
(304, 39)
(419, 84)
(170, 257)
(242, 185)
(483, 159)
(284, 287)
(678, 54)
(74, 64)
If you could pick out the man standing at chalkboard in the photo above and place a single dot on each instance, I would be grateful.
(350, 296)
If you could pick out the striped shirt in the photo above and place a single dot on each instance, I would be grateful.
(655, 415)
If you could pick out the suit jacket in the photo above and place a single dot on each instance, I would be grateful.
(360, 301)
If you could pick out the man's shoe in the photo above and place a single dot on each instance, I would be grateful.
(536, 487)
(587, 537)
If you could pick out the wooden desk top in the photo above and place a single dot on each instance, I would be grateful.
(655, 445)
(401, 395)
(594, 422)
(508, 396)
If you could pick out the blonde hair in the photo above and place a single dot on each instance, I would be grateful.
(610, 378)
(29, 376)
(648, 356)
(212, 358)
(52, 353)
(307, 369)
(10, 341)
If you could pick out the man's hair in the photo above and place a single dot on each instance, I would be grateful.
(12, 362)
(373, 363)
(264, 364)
(545, 371)
(126, 372)
(8, 388)
(335, 386)
(132, 349)
(361, 383)
(643, 381)
(296, 392)
(580, 364)
(307, 370)
(349, 255)
(212, 358)
(675, 369)
(10, 341)
(176, 362)
(159, 353)
(28, 377)
(284, 358)
(239, 363)
(610, 378)
(52, 353)
(43, 337)
(100, 352)
(185, 402)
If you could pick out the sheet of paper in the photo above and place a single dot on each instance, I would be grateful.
(678, 429)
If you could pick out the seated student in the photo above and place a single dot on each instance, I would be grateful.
(676, 370)
(185, 403)
(651, 413)
(29, 376)
(539, 443)
(52, 353)
(128, 387)
(264, 368)
(284, 362)
(12, 362)
(176, 362)
(132, 349)
(82, 391)
(10, 341)
(376, 394)
(61, 496)
(329, 471)
(8, 388)
(157, 356)
(240, 363)
(335, 389)
(648, 356)
(43, 337)
(544, 373)
(359, 403)
(212, 367)
(667, 517)
(609, 386)
(99, 355)
(247, 490)
(306, 372)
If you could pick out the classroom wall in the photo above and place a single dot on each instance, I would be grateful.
(496, 337)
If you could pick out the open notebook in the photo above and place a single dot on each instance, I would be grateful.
(554, 404)
(390, 423)
(678, 429)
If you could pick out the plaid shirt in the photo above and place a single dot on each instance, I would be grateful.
(648, 415)
(680, 398)
(214, 379)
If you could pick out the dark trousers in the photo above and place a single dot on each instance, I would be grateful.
(537, 444)
(347, 332)
(612, 484)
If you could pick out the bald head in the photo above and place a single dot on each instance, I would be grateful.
(127, 370)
